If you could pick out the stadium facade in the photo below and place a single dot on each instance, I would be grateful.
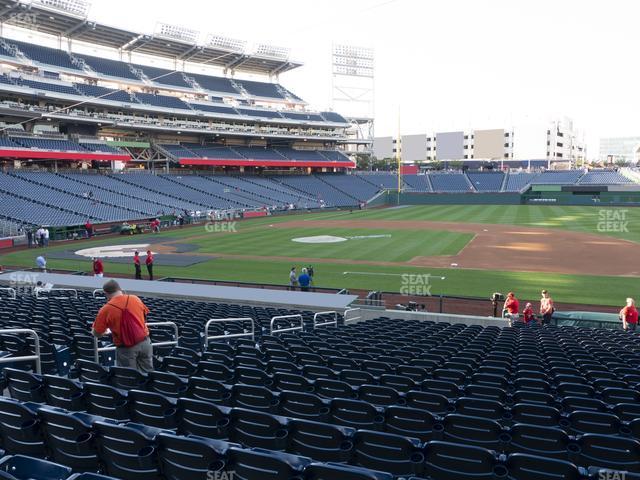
(72, 90)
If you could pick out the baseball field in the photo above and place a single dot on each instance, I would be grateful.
(587, 255)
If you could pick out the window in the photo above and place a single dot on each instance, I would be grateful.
(466, 146)
(558, 144)
(560, 134)
(506, 134)
(466, 137)
(559, 155)
(548, 143)
(506, 155)
(506, 145)
(466, 156)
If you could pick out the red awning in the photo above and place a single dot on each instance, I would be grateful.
(53, 155)
(234, 162)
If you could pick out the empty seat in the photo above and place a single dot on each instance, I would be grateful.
(257, 429)
(446, 461)
(128, 452)
(355, 414)
(70, 439)
(153, 409)
(205, 419)
(321, 441)
(190, 458)
(20, 428)
(395, 454)
(20, 467)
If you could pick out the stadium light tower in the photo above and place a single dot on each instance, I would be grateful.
(79, 8)
(177, 32)
(352, 89)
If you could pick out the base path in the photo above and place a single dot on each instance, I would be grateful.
(514, 248)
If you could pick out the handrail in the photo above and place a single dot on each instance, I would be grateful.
(72, 290)
(347, 311)
(11, 291)
(290, 329)
(333, 322)
(98, 290)
(251, 334)
(25, 358)
(111, 348)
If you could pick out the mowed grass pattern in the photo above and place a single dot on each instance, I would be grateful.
(399, 246)
(579, 219)
(264, 244)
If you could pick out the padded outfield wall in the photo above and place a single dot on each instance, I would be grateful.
(540, 197)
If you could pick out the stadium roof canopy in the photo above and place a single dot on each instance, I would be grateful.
(48, 17)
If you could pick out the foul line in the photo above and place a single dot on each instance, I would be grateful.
(389, 274)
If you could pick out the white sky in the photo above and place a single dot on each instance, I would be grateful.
(446, 64)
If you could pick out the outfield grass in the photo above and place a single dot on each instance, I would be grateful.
(579, 219)
(399, 246)
(256, 238)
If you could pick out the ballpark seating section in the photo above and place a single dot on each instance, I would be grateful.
(450, 182)
(486, 181)
(603, 177)
(559, 177)
(418, 183)
(377, 400)
(123, 70)
(518, 181)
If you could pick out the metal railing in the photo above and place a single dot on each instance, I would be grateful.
(38, 291)
(351, 319)
(288, 329)
(208, 338)
(24, 358)
(10, 291)
(321, 323)
(98, 293)
(97, 350)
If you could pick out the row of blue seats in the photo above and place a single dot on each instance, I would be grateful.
(126, 71)
(395, 454)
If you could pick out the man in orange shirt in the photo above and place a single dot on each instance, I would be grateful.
(139, 356)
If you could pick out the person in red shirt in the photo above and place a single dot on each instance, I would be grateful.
(136, 264)
(527, 315)
(98, 267)
(89, 228)
(149, 262)
(629, 316)
(511, 307)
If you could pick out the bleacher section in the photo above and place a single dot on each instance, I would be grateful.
(450, 182)
(416, 183)
(558, 177)
(603, 177)
(382, 399)
(314, 187)
(486, 181)
(518, 181)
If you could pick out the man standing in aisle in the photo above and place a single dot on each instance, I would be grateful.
(126, 317)
(136, 264)
(149, 262)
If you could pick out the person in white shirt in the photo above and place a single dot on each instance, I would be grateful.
(46, 237)
(40, 236)
(41, 263)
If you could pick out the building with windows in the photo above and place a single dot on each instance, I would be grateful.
(556, 142)
(620, 149)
